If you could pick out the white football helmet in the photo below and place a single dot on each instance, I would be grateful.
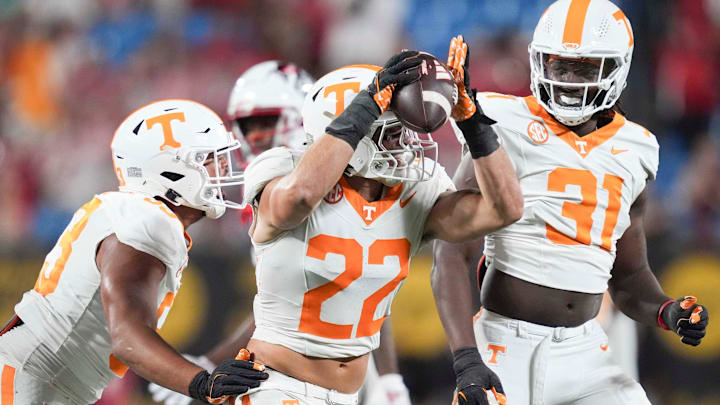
(162, 149)
(271, 88)
(592, 32)
(390, 153)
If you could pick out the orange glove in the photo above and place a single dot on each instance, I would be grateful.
(459, 63)
(244, 354)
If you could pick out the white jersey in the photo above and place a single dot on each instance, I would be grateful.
(64, 310)
(577, 193)
(325, 287)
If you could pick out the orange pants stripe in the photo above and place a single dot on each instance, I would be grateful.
(7, 386)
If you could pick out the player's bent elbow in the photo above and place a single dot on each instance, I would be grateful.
(512, 213)
(508, 210)
(123, 351)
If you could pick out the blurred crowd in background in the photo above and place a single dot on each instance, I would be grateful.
(71, 70)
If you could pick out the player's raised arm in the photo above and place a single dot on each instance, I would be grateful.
(453, 298)
(129, 280)
(636, 291)
(469, 214)
(286, 201)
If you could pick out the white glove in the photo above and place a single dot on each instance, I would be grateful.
(170, 397)
(388, 390)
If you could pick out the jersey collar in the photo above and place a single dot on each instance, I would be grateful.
(580, 144)
(370, 211)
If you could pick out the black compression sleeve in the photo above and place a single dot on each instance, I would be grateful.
(354, 122)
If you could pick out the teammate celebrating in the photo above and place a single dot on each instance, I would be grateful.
(110, 280)
(335, 228)
(583, 168)
(264, 109)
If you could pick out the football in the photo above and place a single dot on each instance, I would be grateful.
(424, 105)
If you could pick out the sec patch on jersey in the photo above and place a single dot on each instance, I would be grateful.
(424, 105)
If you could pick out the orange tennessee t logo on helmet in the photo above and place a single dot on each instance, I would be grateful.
(164, 121)
(339, 90)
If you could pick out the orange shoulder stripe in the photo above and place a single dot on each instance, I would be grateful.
(582, 145)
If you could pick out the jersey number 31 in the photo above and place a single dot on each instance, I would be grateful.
(582, 212)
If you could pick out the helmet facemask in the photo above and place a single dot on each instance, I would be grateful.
(204, 189)
(573, 88)
(594, 36)
(396, 154)
(223, 174)
(257, 132)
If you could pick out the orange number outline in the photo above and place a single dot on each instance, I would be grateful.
(581, 213)
(318, 248)
(47, 284)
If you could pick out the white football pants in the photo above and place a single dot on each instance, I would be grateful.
(280, 389)
(542, 365)
(19, 381)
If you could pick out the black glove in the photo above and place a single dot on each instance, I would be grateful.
(474, 378)
(686, 318)
(397, 72)
(354, 122)
(231, 377)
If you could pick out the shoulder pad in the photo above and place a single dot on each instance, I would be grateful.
(650, 149)
(149, 226)
(494, 105)
(270, 164)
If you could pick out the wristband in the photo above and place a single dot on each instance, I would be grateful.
(198, 385)
(479, 136)
(464, 357)
(659, 317)
(353, 123)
